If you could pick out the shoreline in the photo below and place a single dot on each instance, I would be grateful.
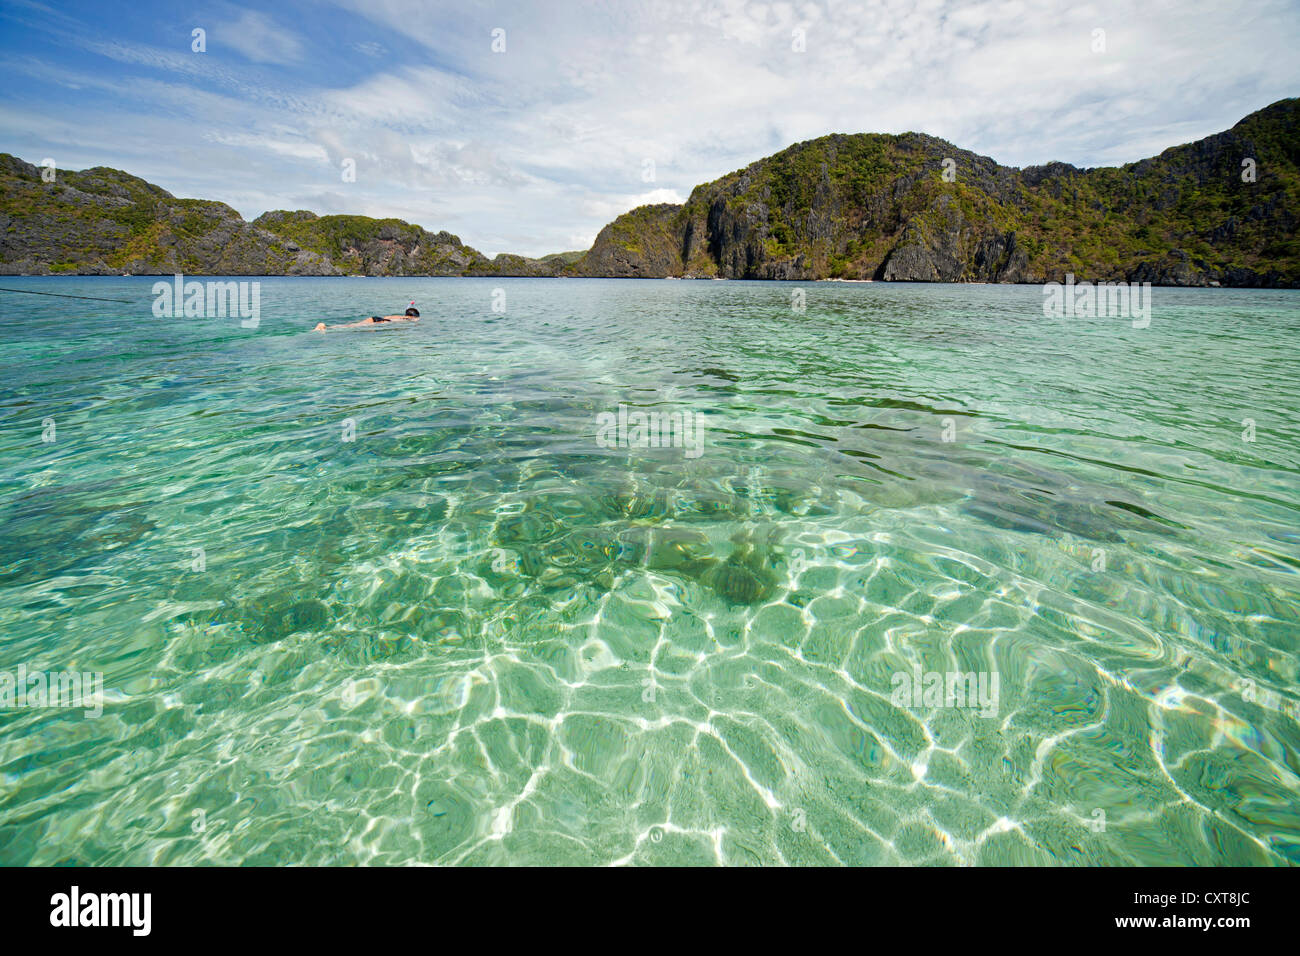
(900, 282)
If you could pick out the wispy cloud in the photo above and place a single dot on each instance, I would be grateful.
(259, 38)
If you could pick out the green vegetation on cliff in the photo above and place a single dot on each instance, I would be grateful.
(106, 221)
(1222, 210)
(880, 206)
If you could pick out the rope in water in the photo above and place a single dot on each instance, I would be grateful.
(96, 298)
(64, 295)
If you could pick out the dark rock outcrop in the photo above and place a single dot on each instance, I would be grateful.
(916, 208)
(1222, 210)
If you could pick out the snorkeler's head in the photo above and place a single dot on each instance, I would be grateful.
(413, 312)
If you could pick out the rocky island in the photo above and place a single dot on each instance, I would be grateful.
(908, 207)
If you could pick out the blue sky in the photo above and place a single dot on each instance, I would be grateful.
(534, 148)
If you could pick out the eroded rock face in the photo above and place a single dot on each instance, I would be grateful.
(644, 243)
(998, 258)
(104, 221)
(932, 253)
(1175, 270)
(911, 263)
(897, 208)
(915, 208)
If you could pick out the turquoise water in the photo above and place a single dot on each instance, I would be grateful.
(473, 634)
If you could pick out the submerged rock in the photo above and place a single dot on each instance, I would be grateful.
(747, 576)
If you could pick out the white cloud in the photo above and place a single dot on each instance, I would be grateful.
(297, 149)
(532, 149)
(258, 38)
(609, 207)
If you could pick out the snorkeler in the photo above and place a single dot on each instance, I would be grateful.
(412, 315)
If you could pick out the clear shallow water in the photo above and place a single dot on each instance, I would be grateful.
(474, 635)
